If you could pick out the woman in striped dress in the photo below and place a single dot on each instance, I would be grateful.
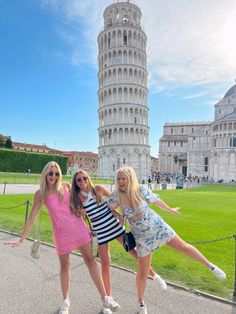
(87, 198)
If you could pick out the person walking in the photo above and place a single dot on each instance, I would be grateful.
(149, 229)
(89, 199)
(149, 183)
(69, 232)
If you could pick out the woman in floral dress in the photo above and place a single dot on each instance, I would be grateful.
(149, 229)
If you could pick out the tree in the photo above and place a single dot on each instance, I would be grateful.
(2, 141)
(8, 143)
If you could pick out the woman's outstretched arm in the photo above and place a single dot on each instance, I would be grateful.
(30, 221)
(161, 204)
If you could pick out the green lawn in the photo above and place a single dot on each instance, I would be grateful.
(207, 213)
(30, 178)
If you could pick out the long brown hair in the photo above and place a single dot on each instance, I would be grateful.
(75, 201)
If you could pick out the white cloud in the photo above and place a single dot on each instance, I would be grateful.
(189, 42)
(192, 96)
(185, 41)
(82, 23)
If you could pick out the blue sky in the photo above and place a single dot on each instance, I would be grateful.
(48, 66)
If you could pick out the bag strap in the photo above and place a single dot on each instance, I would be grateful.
(88, 222)
(38, 224)
(92, 232)
(125, 222)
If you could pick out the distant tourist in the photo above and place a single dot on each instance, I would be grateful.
(149, 229)
(149, 182)
(179, 181)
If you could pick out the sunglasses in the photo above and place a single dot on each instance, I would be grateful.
(51, 173)
(79, 180)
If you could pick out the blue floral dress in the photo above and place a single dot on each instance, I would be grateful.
(151, 231)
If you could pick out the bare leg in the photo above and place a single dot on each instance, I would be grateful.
(179, 245)
(104, 255)
(65, 274)
(141, 277)
(134, 254)
(90, 262)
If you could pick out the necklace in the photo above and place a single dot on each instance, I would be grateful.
(86, 194)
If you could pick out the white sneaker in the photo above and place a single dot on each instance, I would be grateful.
(141, 309)
(106, 311)
(160, 281)
(64, 309)
(111, 304)
(219, 273)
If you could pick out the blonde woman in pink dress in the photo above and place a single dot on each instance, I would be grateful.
(69, 232)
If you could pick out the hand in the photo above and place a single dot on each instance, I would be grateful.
(81, 212)
(14, 243)
(113, 206)
(175, 210)
(121, 220)
(160, 203)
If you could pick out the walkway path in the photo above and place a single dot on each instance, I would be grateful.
(29, 286)
(11, 188)
(18, 188)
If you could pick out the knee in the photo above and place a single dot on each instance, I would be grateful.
(186, 248)
(141, 277)
(89, 260)
(65, 267)
(105, 265)
(142, 274)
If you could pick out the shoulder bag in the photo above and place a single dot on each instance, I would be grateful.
(35, 247)
(93, 235)
(128, 240)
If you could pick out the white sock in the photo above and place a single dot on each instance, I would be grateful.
(211, 266)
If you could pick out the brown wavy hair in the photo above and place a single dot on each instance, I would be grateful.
(75, 201)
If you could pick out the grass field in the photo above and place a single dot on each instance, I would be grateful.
(207, 213)
(30, 178)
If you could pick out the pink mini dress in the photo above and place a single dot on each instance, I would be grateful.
(69, 231)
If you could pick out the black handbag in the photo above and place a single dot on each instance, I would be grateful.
(128, 241)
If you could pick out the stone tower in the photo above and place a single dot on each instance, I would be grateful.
(122, 94)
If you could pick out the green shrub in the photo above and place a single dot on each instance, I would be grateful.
(18, 161)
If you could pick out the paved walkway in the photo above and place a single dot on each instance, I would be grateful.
(29, 286)
(18, 188)
(11, 188)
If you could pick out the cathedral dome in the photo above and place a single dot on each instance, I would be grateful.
(231, 91)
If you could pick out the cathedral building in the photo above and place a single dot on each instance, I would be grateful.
(203, 149)
(122, 95)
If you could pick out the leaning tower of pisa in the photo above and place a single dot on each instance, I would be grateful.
(122, 94)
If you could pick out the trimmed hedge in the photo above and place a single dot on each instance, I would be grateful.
(19, 161)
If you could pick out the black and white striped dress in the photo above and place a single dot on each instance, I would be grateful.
(104, 223)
